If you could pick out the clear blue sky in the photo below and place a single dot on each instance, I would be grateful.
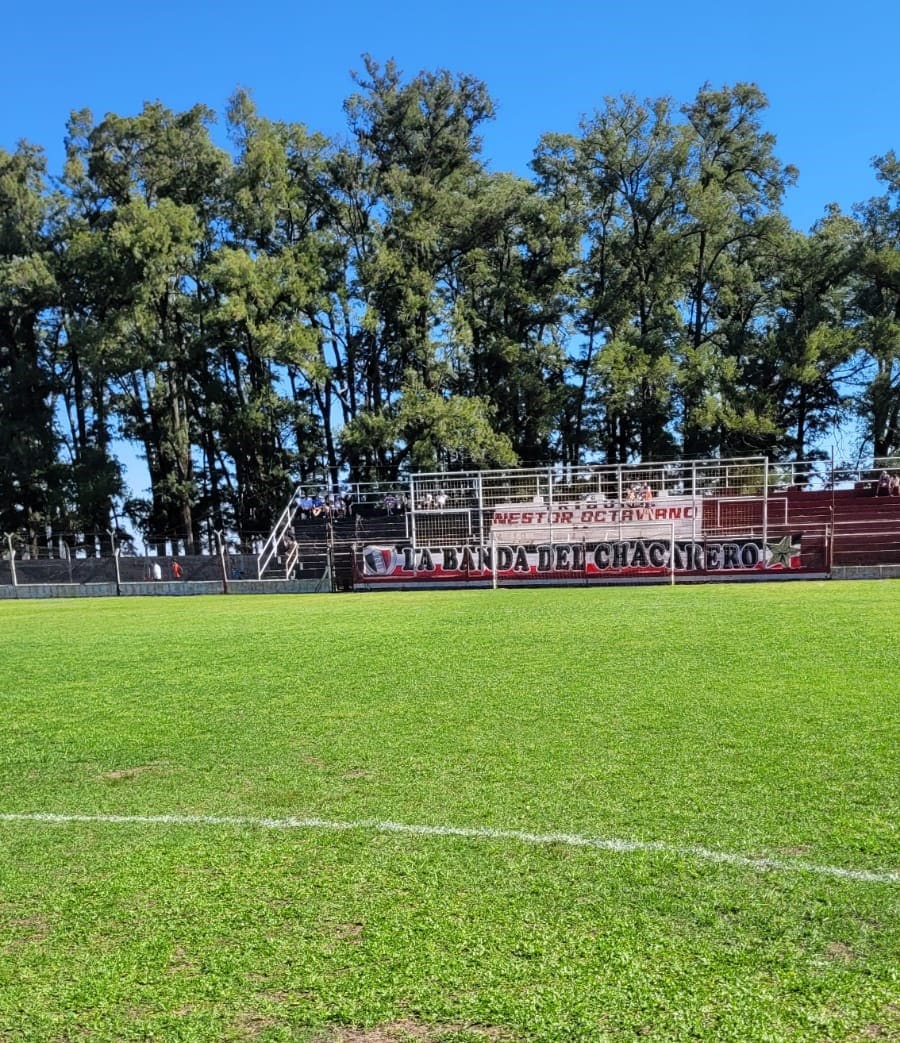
(830, 71)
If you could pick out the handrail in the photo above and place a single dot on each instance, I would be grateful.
(270, 547)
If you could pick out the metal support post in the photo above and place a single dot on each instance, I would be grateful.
(12, 559)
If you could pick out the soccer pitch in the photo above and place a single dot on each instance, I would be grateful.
(519, 815)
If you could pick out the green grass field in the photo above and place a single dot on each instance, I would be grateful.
(758, 723)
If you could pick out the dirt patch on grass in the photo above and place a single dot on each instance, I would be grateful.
(886, 1029)
(840, 952)
(250, 1026)
(124, 774)
(795, 850)
(409, 1031)
(181, 963)
(30, 930)
(349, 932)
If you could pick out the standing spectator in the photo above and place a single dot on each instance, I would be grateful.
(156, 571)
(177, 571)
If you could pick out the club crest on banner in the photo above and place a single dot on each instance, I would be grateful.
(380, 561)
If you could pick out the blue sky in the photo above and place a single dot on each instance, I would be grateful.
(831, 75)
(830, 72)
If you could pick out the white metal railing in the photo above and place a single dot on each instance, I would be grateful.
(290, 560)
(828, 474)
(270, 547)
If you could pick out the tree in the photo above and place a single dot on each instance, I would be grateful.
(266, 378)
(434, 431)
(416, 169)
(30, 480)
(876, 310)
(805, 359)
(733, 187)
(624, 177)
(506, 293)
(156, 183)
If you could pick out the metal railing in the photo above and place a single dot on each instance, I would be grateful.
(276, 536)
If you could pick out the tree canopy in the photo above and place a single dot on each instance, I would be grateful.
(279, 307)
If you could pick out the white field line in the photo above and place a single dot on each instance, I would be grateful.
(694, 851)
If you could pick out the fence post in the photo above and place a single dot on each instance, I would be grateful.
(829, 543)
(67, 554)
(12, 559)
(329, 551)
(221, 545)
(493, 560)
(480, 493)
(672, 558)
(115, 550)
(765, 503)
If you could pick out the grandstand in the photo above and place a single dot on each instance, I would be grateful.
(677, 521)
(737, 519)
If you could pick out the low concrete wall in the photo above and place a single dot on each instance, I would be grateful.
(163, 588)
(171, 588)
(865, 572)
(57, 590)
(280, 586)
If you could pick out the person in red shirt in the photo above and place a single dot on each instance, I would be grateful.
(176, 570)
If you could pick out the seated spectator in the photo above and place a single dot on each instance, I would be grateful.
(646, 493)
(884, 484)
(441, 499)
(895, 485)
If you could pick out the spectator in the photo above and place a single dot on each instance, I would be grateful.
(895, 485)
(177, 571)
(156, 571)
(884, 484)
(441, 499)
